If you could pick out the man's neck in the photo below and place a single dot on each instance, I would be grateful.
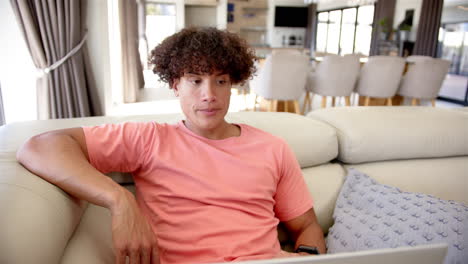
(226, 130)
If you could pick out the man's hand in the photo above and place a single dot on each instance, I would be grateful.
(285, 254)
(131, 233)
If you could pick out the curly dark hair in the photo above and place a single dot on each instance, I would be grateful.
(203, 51)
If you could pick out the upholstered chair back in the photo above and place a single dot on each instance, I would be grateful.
(334, 76)
(424, 78)
(282, 76)
(380, 76)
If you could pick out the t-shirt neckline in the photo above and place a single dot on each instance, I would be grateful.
(229, 139)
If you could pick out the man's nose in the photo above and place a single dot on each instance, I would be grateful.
(209, 92)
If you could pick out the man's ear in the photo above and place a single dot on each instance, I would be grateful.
(175, 86)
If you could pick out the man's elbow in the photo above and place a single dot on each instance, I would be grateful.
(27, 150)
(34, 148)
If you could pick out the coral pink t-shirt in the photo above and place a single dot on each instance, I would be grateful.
(207, 200)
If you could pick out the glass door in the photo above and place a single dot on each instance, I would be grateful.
(453, 46)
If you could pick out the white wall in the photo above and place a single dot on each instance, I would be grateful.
(204, 16)
(17, 71)
(98, 48)
(331, 4)
(221, 14)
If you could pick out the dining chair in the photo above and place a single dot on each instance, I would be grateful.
(415, 58)
(334, 76)
(282, 77)
(423, 79)
(380, 77)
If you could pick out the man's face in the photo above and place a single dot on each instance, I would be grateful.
(204, 100)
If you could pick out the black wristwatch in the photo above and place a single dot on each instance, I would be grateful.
(307, 249)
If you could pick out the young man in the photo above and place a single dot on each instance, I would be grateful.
(207, 190)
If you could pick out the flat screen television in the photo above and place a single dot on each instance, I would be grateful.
(288, 16)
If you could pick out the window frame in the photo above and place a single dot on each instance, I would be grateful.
(317, 21)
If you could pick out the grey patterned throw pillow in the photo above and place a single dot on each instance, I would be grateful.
(369, 215)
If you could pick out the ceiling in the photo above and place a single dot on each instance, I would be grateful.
(455, 2)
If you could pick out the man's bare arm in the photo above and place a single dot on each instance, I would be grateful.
(306, 231)
(61, 157)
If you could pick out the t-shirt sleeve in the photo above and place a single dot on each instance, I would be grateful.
(119, 147)
(292, 195)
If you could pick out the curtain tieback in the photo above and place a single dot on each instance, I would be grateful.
(55, 65)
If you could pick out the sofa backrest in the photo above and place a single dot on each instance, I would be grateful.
(417, 149)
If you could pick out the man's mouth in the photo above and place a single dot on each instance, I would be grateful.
(209, 111)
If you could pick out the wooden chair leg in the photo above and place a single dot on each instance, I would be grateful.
(286, 106)
(414, 101)
(306, 101)
(324, 101)
(333, 101)
(296, 107)
(389, 101)
(275, 105)
(255, 103)
(433, 101)
(367, 101)
(347, 101)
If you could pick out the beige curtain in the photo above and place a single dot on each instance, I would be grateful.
(384, 9)
(132, 70)
(311, 30)
(52, 29)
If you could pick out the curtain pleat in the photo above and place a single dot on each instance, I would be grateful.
(311, 27)
(428, 28)
(52, 28)
(132, 70)
(384, 9)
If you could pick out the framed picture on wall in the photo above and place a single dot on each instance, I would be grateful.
(230, 14)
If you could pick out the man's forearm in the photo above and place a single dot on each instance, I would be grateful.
(60, 160)
(312, 236)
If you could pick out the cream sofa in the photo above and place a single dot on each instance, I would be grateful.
(414, 148)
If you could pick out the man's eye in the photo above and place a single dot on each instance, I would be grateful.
(222, 81)
(195, 81)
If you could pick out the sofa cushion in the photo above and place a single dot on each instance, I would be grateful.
(423, 176)
(369, 215)
(92, 241)
(313, 143)
(324, 184)
(367, 134)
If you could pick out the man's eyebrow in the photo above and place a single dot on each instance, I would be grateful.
(191, 73)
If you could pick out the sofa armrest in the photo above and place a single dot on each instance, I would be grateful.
(38, 218)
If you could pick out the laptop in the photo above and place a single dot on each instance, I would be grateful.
(424, 254)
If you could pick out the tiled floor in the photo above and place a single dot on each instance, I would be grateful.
(454, 87)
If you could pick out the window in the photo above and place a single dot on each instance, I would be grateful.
(160, 22)
(345, 31)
